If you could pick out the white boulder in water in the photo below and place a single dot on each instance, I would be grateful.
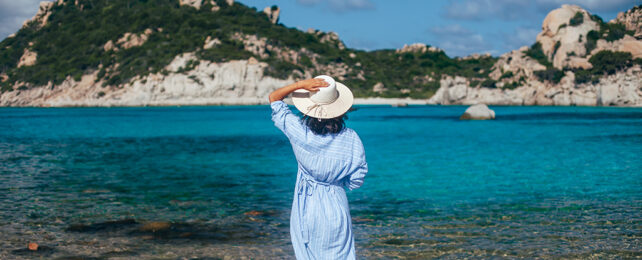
(478, 112)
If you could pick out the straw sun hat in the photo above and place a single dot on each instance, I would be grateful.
(329, 102)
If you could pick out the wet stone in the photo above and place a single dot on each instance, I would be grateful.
(155, 226)
(32, 246)
(254, 213)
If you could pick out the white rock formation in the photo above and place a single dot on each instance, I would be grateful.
(621, 89)
(332, 37)
(272, 14)
(132, 40)
(378, 88)
(209, 42)
(254, 44)
(478, 112)
(234, 82)
(475, 56)
(129, 40)
(109, 45)
(517, 63)
(198, 3)
(42, 15)
(28, 58)
(626, 44)
(417, 47)
(558, 38)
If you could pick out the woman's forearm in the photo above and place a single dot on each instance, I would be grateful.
(281, 93)
(308, 84)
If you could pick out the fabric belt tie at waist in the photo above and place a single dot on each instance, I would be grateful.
(307, 185)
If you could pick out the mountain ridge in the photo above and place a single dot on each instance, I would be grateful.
(223, 52)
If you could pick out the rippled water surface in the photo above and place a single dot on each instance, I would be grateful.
(216, 182)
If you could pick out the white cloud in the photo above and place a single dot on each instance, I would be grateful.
(522, 36)
(523, 9)
(459, 41)
(484, 9)
(454, 29)
(592, 5)
(341, 5)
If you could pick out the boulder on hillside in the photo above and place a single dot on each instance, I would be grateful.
(517, 63)
(42, 16)
(417, 47)
(28, 58)
(563, 31)
(379, 88)
(272, 13)
(198, 3)
(478, 112)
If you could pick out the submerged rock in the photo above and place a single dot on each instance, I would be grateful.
(102, 226)
(478, 112)
(254, 213)
(155, 226)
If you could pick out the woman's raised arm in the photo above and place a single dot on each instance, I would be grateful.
(308, 84)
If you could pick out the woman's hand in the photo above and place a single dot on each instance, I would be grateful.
(308, 84)
(312, 85)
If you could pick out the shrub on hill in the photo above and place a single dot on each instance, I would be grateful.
(608, 62)
(605, 63)
(550, 74)
(591, 40)
(536, 52)
(614, 31)
(577, 19)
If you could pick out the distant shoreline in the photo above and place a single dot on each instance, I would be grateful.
(390, 101)
(401, 102)
(228, 102)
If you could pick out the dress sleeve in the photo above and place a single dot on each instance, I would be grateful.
(359, 167)
(285, 120)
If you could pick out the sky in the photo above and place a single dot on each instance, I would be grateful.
(460, 27)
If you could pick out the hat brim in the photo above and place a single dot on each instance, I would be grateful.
(301, 100)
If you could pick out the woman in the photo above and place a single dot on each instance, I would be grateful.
(330, 157)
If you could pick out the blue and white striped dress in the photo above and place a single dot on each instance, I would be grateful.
(320, 223)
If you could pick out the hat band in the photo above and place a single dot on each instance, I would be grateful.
(316, 110)
(316, 101)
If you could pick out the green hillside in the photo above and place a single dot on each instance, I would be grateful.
(71, 44)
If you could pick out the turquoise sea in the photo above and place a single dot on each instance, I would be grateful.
(217, 182)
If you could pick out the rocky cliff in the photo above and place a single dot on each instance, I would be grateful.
(555, 70)
(221, 52)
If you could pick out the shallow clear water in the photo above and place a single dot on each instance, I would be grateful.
(218, 181)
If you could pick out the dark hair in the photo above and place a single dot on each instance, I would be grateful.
(326, 126)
